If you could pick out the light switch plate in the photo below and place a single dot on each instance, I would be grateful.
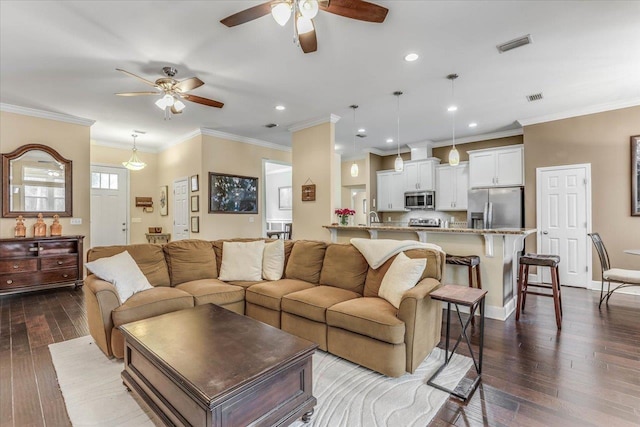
(251, 219)
(76, 221)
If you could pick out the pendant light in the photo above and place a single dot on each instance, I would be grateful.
(354, 166)
(134, 163)
(454, 156)
(398, 164)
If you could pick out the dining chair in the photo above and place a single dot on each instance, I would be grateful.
(624, 278)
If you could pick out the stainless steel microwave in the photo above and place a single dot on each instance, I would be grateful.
(420, 200)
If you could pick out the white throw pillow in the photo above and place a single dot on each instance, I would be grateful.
(273, 260)
(242, 261)
(123, 272)
(403, 275)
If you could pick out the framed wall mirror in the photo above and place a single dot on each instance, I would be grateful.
(635, 175)
(36, 179)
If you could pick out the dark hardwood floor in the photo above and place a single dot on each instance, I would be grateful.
(586, 375)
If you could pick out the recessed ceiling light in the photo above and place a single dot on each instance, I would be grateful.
(472, 125)
(280, 107)
(362, 130)
(411, 57)
(452, 108)
(389, 140)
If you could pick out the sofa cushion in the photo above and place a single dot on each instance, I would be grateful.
(242, 260)
(312, 303)
(269, 294)
(190, 260)
(433, 269)
(218, 244)
(213, 291)
(273, 260)
(149, 303)
(344, 267)
(372, 317)
(122, 271)
(305, 261)
(403, 275)
(244, 283)
(149, 258)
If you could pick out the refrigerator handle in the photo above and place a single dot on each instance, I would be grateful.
(488, 215)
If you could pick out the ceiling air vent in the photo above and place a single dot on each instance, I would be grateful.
(361, 135)
(534, 97)
(270, 125)
(515, 43)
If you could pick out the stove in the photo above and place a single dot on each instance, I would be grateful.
(424, 222)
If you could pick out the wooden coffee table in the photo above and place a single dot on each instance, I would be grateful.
(207, 366)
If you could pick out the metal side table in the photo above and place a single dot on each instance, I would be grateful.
(468, 297)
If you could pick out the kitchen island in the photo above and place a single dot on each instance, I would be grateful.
(498, 250)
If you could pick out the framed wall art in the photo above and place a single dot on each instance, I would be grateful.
(195, 183)
(164, 200)
(195, 203)
(635, 175)
(195, 224)
(232, 194)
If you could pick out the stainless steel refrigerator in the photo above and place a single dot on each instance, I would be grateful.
(496, 208)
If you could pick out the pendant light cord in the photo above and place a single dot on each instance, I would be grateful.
(453, 113)
(397, 94)
(354, 106)
(134, 142)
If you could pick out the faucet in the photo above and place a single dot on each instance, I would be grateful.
(375, 217)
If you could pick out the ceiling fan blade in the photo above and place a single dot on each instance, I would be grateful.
(150, 83)
(174, 111)
(308, 41)
(201, 100)
(249, 14)
(356, 9)
(138, 93)
(188, 84)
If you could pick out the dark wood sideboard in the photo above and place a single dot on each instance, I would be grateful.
(34, 263)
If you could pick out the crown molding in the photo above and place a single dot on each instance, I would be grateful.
(180, 140)
(352, 157)
(422, 144)
(244, 139)
(25, 111)
(386, 152)
(601, 108)
(483, 137)
(124, 146)
(313, 122)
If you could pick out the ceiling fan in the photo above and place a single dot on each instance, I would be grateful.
(172, 91)
(303, 11)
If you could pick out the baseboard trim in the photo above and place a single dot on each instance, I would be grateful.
(490, 311)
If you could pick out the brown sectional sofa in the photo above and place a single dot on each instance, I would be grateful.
(328, 295)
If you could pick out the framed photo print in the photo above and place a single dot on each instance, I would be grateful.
(232, 194)
(195, 183)
(195, 224)
(284, 198)
(164, 200)
(195, 203)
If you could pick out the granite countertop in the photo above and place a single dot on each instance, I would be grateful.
(516, 231)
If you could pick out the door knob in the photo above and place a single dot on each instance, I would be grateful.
(545, 232)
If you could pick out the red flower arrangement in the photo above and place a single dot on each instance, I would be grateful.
(345, 211)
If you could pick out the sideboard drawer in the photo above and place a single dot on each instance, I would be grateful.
(18, 280)
(50, 263)
(18, 265)
(59, 276)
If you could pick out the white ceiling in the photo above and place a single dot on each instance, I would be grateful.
(61, 57)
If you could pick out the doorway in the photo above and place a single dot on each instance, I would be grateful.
(278, 196)
(563, 215)
(109, 205)
(180, 209)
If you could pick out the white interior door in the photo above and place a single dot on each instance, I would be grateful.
(563, 217)
(109, 206)
(180, 210)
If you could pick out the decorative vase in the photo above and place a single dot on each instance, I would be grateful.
(40, 228)
(20, 230)
(344, 220)
(56, 227)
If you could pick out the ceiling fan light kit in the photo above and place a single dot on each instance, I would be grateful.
(134, 163)
(454, 156)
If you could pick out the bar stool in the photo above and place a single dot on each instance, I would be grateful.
(540, 260)
(472, 262)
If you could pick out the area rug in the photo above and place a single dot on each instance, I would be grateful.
(348, 394)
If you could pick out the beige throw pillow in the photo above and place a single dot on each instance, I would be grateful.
(123, 272)
(242, 261)
(403, 275)
(273, 260)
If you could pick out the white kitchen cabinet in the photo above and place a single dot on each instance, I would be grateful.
(452, 186)
(496, 167)
(390, 191)
(419, 175)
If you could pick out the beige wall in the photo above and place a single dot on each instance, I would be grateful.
(72, 142)
(142, 183)
(603, 140)
(443, 152)
(224, 156)
(313, 159)
(347, 179)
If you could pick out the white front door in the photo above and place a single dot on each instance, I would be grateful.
(563, 220)
(180, 210)
(109, 203)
